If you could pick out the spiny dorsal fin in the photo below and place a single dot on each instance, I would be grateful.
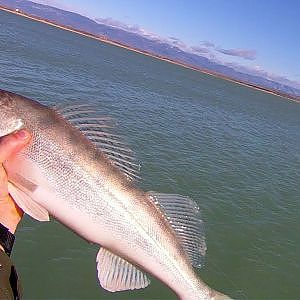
(116, 274)
(98, 129)
(185, 218)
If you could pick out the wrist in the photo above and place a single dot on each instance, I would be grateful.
(10, 213)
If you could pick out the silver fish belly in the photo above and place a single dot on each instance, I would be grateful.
(88, 186)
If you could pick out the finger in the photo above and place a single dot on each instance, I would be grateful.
(3, 183)
(13, 143)
(9, 145)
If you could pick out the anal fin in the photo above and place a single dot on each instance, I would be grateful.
(117, 274)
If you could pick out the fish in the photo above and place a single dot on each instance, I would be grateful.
(79, 172)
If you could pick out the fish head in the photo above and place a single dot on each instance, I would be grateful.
(10, 121)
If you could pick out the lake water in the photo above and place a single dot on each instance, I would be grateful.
(235, 150)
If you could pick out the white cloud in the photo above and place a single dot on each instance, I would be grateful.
(243, 53)
(54, 3)
(260, 71)
(127, 27)
(207, 44)
(61, 5)
(205, 48)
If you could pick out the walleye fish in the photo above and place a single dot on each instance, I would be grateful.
(81, 174)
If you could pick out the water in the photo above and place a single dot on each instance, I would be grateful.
(233, 149)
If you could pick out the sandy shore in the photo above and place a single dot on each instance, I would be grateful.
(115, 43)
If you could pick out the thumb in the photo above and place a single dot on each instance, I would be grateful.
(13, 143)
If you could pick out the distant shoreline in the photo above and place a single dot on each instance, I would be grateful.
(118, 44)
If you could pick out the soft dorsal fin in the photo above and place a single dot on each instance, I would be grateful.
(117, 274)
(185, 218)
(98, 129)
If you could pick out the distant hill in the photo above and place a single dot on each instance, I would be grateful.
(149, 44)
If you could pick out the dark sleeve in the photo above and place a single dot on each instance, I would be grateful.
(10, 288)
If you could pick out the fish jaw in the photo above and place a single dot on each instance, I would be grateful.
(10, 119)
(13, 126)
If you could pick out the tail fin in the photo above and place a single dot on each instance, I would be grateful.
(219, 296)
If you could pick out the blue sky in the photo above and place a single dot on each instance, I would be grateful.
(263, 35)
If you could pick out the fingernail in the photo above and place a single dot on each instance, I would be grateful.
(22, 134)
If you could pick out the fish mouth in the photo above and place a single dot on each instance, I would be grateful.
(19, 124)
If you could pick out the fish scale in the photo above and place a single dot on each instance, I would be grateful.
(64, 174)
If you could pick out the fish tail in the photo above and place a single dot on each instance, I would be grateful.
(208, 295)
(219, 296)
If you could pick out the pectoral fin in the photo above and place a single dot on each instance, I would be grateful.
(117, 274)
(26, 203)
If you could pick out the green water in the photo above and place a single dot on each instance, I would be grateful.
(235, 150)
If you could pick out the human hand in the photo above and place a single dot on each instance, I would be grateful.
(10, 213)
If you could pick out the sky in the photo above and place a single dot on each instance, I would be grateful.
(263, 35)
